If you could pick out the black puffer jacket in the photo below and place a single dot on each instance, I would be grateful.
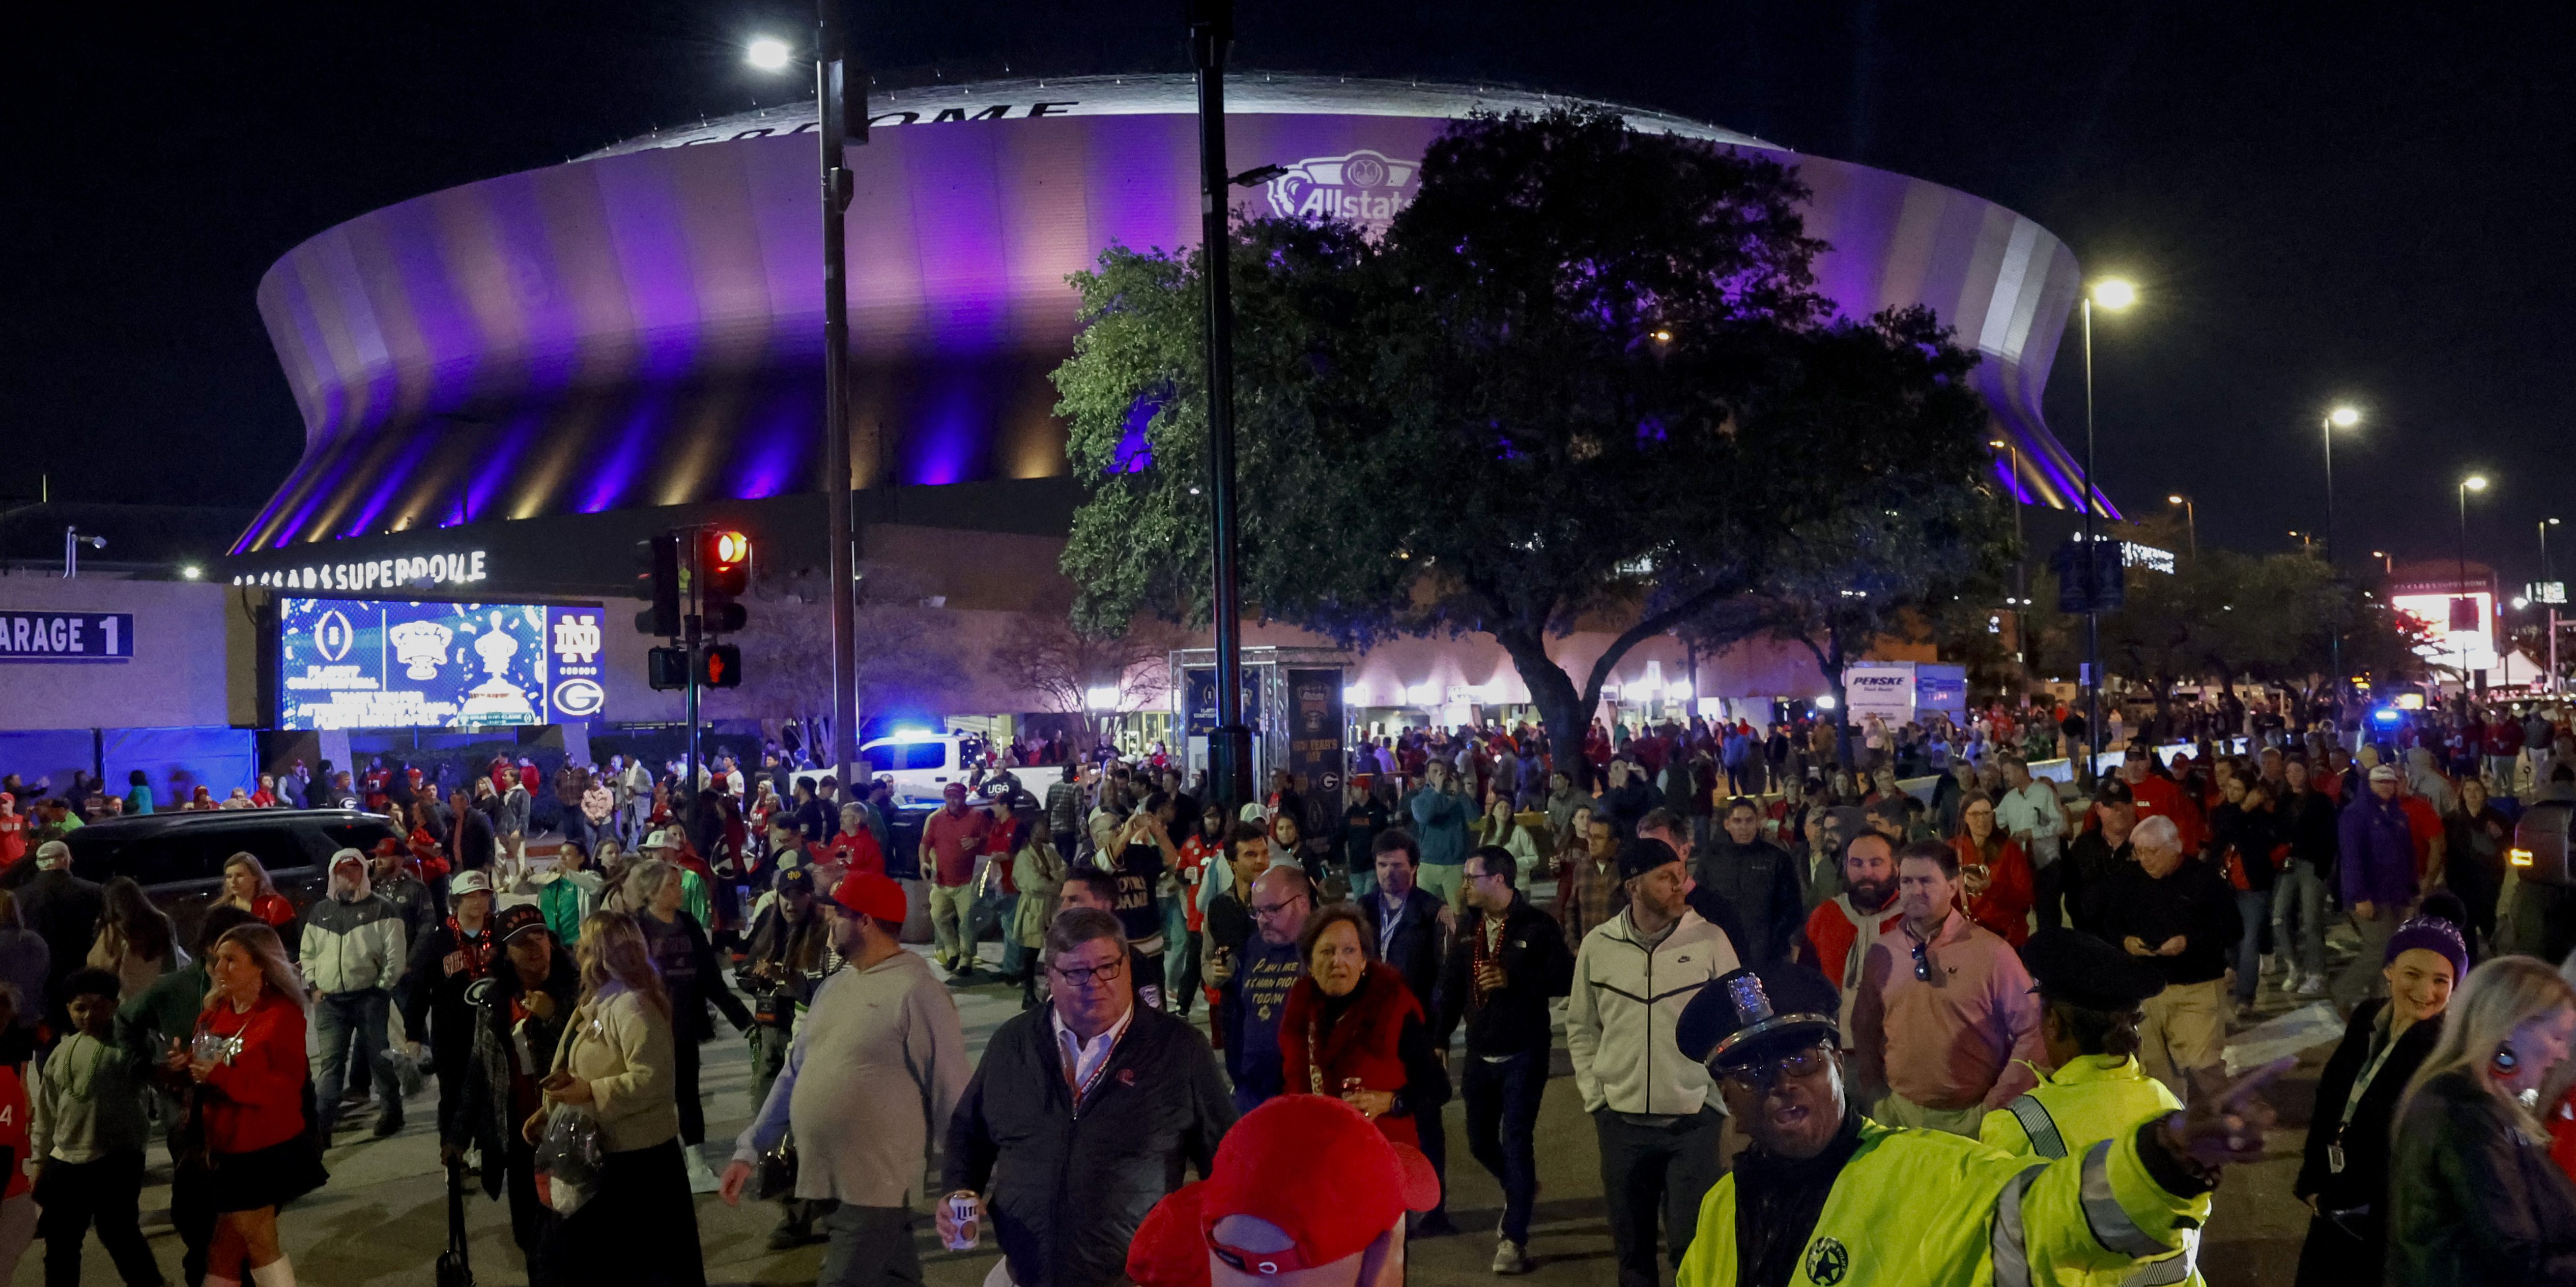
(2475, 1200)
(1067, 1191)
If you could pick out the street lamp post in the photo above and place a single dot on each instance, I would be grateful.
(2021, 568)
(2545, 576)
(2190, 520)
(831, 119)
(2339, 418)
(2114, 294)
(2472, 483)
(1230, 743)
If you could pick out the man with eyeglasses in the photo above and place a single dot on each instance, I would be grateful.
(1822, 1194)
(1252, 989)
(1080, 1118)
(1945, 1019)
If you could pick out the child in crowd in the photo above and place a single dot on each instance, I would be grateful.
(88, 1136)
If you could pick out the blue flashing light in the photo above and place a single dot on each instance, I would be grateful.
(2388, 715)
(915, 735)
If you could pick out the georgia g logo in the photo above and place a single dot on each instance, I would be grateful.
(1827, 1262)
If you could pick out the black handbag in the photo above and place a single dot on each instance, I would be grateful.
(773, 1177)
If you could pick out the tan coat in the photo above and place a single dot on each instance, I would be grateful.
(621, 1045)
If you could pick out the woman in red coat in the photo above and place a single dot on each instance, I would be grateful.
(1352, 1029)
(1993, 872)
(249, 1067)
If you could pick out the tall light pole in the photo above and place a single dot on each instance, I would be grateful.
(831, 119)
(2339, 418)
(2472, 483)
(2343, 417)
(2190, 521)
(2021, 570)
(2113, 294)
(2545, 525)
(1230, 743)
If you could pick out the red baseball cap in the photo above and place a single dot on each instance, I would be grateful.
(872, 893)
(1268, 1168)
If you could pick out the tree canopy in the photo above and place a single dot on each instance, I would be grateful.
(1584, 379)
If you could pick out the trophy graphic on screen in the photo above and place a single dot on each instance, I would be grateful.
(420, 646)
(496, 700)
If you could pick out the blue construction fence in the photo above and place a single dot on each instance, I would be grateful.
(174, 761)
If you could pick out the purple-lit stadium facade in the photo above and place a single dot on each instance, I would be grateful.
(641, 328)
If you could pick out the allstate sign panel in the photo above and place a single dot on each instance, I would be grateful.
(352, 663)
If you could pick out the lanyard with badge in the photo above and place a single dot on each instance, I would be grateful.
(2352, 1104)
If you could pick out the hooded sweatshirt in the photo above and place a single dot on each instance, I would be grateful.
(354, 940)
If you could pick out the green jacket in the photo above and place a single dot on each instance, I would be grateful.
(162, 1013)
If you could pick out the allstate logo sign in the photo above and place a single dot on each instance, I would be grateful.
(1365, 188)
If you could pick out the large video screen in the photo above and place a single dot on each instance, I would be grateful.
(361, 663)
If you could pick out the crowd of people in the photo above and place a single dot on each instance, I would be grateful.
(1792, 995)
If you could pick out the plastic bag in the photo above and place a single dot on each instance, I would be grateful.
(568, 1159)
(396, 1064)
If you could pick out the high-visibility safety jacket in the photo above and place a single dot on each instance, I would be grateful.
(1921, 1208)
(2092, 1099)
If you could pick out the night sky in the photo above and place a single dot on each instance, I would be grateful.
(2360, 203)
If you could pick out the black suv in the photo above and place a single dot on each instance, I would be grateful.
(178, 858)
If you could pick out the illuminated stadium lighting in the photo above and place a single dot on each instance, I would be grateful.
(768, 53)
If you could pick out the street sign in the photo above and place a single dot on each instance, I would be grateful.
(66, 636)
(2554, 592)
(2095, 584)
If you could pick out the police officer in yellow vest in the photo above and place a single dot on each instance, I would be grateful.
(2093, 1090)
(1823, 1197)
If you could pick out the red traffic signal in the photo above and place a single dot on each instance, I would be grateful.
(724, 569)
(724, 557)
(719, 666)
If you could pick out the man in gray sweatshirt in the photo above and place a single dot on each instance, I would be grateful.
(876, 1067)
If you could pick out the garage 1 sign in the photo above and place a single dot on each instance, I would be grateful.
(66, 636)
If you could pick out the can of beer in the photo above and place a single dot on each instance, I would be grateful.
(966, 1212)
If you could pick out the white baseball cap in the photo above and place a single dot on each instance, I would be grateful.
(468, 882)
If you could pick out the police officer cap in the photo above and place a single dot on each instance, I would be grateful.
(2079, 969)
(1747, 1014)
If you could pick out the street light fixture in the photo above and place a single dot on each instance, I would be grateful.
(2113, 294)
(2471, 483)
(2190, 519)
(832, 115)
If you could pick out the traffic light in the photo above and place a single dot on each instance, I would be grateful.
(659, 584)
(720, 666)
(724, 563)
(667, 669)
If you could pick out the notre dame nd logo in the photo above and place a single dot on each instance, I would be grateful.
(1827, 1262)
